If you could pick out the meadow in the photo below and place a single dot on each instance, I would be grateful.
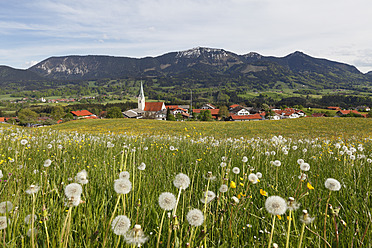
(101, 184)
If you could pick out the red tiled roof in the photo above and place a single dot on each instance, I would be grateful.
(247, 117)
(81, 113)
(171, 106)
(153, 106)
(2, 119)
(334, 108)
(345, 112)
(213, 111)
(234, 106)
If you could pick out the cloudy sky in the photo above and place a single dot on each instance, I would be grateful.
(33, 30)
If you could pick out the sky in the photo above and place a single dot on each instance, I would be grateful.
(34, 30)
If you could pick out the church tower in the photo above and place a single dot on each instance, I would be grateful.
(141, 99)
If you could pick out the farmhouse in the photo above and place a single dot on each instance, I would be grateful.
(83, 114)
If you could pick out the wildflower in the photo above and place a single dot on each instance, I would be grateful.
(309, 186)
(73, 189)
(49, 146)
(120, 225)
(245, 159)
(300, 161)
(208, 197)
(224, 159)
(259, 175)
(6, 207)
(136, 236)
(181, 181)
(81, 177)
(28, 219)
(224, 188)
(332, 184)
(235, 199)
(124, 175)
(253, 178)
(263, 192)
(292, 204)
(167, 201)
(236, 170)
(232, 184)
(305, 167)
(142, 166)
(122, 186)
(3, 222)
(223, 164)
(276, 205)
(47, 163)
(305, 218)
(195, 217)
(24, 142)
(33, 189)
(172, 148)
(277, 163)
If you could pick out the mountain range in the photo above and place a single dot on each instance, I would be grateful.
(203, 65)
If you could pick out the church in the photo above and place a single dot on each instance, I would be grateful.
(147, 110)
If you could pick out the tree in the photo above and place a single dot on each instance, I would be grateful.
(57, 112)
(114, 112)
(205, 115)
(170, 116)
(223, 112)
(27, 116)
(179, 116)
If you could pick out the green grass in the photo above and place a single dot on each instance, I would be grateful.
(339, 148)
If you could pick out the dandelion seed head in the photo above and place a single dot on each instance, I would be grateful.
(3, 222)
(224, 188)
(306, 218)
(142, 166)
(81, 177)
(120, 225)
(29, 232)
(223, 164)
(253, 178)
(124, 175)
(276, 205)
(73, 189)
(300, 161)
(277, 163)
(195, 217)
(304, 166)
(244, 159)
(181, 181)
(33, 189)
(24, 142)
(235, 199)
(332, 184)
(28, 219)
(259, 175)
(292, 204)
(6, 207)
(167, 201)
(74, 201)
(122, 186)
(236, 170)
(208, 197)
(136, 236)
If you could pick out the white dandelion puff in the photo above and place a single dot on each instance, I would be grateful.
(29, 232)
(28, 219)
(292, 204)
(277, 163)
(245, 159)
(6, 207)
(332, 184)
(259, 175)
(300, 161)
(47, 163)
(136, 236)
(223, 164)
(74, 201)
(120, 225)
(142, 166)
(24, 142)
(304, 166)
(181, 181)
(167, 201)
(33, 189)
(253, 178)
(235, 199)
(195, 217)
(209, 196)
(236, 170)
(73, 189)
(3, 222)
(81, 177)
(122, 186)
(224, 188)
(124, 175)
(306, 218)
(276, 205)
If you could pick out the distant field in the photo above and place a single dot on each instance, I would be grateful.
(303, 127)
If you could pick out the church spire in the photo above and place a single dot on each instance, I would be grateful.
(141, 99)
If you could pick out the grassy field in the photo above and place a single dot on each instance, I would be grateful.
(80, 179)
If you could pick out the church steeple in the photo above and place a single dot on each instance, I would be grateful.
(141, 99)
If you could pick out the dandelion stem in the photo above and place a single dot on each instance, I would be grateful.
(325, 218)
(161, 226)
(272, 232)
(32, 222)
(289, 228)
(112, 217)
(302, 235)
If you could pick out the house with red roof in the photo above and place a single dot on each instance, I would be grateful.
(289, 113)
(214, 112)
(83, 114)
(346, 112)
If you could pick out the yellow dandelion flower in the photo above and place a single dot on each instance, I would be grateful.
(279, 217)
(309, 186)
(263, 192)
(241, 184)
(232, 184)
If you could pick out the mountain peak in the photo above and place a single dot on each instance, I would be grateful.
(199, 51)
(253, 55)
